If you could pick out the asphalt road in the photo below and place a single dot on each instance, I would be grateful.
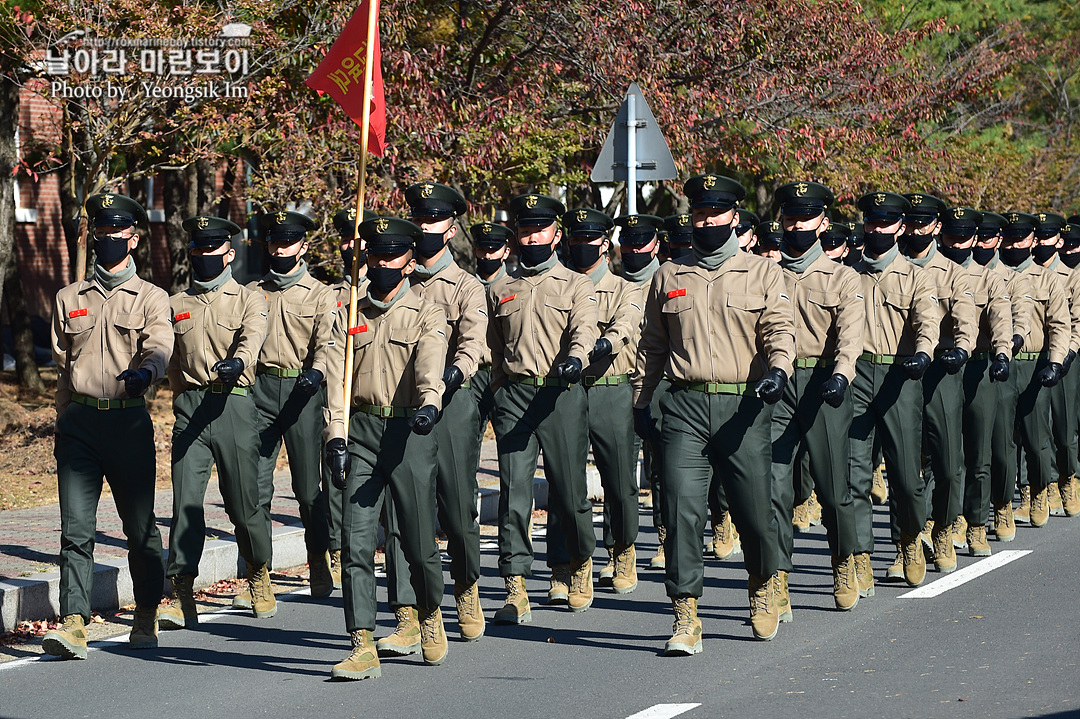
(1004, 644)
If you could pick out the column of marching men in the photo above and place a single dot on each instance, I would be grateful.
(764, 370)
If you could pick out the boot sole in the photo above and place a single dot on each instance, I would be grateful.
(914, 584)
(169, 625)
(436, 662)
(682, 650)
(946, 570)
(657, 565)
(322, 593)
(980, 552)
(1005, 537)
(786, 617)
(853, 604)
(578, 610)
(625, 590)
(240, 604)
(466, 638)
(264, 615)
(373, 673)
(395, 650)
(59, 648)
(866, 592)
(557, 599)
(762, 638)
(148, 644)
(733, 553)
(1039, 526)
(516, 619)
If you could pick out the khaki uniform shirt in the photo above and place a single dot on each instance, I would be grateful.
(1071, 281)
(462, 299)
(537, 321)
(956, 303)
(1051, 327)
(485, 353)
(902, 315)
(97, 334)
(300, 324)
(334, 411)
(728, 325)
(993, 309)
(619, 311)
(830, 316)
(212, 326)
(1018, 287)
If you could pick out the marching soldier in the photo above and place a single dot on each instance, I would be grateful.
(438, 280)
(293, 363)
(815, 408)
(543, 326)
(834, 241)
(397, 393)
(767, 241)
(491, 247)
(111, 341)
(748, 221)
(679, 235)
(218, 328)
(720, 325)
(1070, 257)
(902, 324)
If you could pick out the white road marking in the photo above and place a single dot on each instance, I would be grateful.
(664, 711)
(965, 575)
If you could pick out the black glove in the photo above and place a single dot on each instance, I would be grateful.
(453, 378)
(954, 359)
(916, 365)
(337, 458)
(135, 381)
(834, 389)
(229, 370)
(999, 369)
(308, 383)
(424, 420)
(1018, 343)
(645, 425)
(771, 387)
(1068, 362)
(1050, 375)
(570, 370)
(602, 348)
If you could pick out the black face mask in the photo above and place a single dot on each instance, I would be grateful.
(384, 279)
(585, 255)
(1014, 256)
(956, 254)
(800, 240)
(430, 244)
(283, 265)
(1070, 260)
(982, 255)
(110, 251)
(486, 268)
(1042, 253)
(207, 267)
(878, 243)
(677, 252)
(711, 238)
(914, 244)
(535, 255)
(637, 261)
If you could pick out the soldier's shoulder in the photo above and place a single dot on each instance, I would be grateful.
(70, 292)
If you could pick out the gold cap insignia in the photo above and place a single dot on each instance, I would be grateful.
(203, 223)
(485, 228)
(106, 200)
(958, 212)
(582, 215)
(531, 201)
(632, 220)
(800, 189)
(425, 189)
(1013, 217)
(280, 218)
(710, 181)
(684, 220)
(1066, 229)
(380, 225)
(915, 199)
(1042, 217)
(879, 198)
(352, 213)
(774, 226)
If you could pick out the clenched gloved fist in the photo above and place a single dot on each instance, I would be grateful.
(954, 359)
(1018, 343)
(834, 389)
(645, 425)
(308, 383)
(424, 420)
(229, 370)
(136, 381)
(337, 458)
(999, 369)
(916, 365)
(602, 348)
(453, 378)
(570, 370)
(771, 387)
(1050, 375)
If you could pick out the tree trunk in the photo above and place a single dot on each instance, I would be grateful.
(174, 203)
(9, 119)
(144, 262)
(22, 335)
(205, 188)
(70, 207)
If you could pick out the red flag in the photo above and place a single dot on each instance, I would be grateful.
(341, 74)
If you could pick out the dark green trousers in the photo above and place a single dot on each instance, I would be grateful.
(802, 424)
(215, 429)
(1033, 408)
(480, 387)
(889, 406)
(333, 510)
(457, 462)
(982, 404)
(943, 443)
(116, 445)
(527, 420)
(388, 458)
(707, 436)
(292, 417)
(1063, 418)
(1003, 443)
(651, 461)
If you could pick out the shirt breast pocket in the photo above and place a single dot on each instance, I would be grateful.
(131, 328)
(299, 317)
(743, 313)
(678, 315)
(228, 331)
(401, 346)
(899, 301)
(982, 299)
(78, 331)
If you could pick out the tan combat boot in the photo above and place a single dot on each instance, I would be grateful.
(976, 541)
(879, 490)
(625, 579)
(1004, 525)
(1057, 509)
(659, 561)
(559, 584)
(433, 636)
(1070, 496)
(581, 587)
(470, 616)
(813, 509)
(263, 602)
(764, 614)
(1022, 513)
(607, 574)
(783, 599)
(800, 517)
(725, 539)
(144, 628)
(864, 574)
(69, 641)
(944, 551)
(180, 612)
(319, 577)
(363, 660)
(686, 631)
(1040, 508)
(335, 568)
(845, 583)
(896, 569)
(645, 498)
(405, 638)
(914, 560)
(516, 610)
(926, 536)
(959, 532)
